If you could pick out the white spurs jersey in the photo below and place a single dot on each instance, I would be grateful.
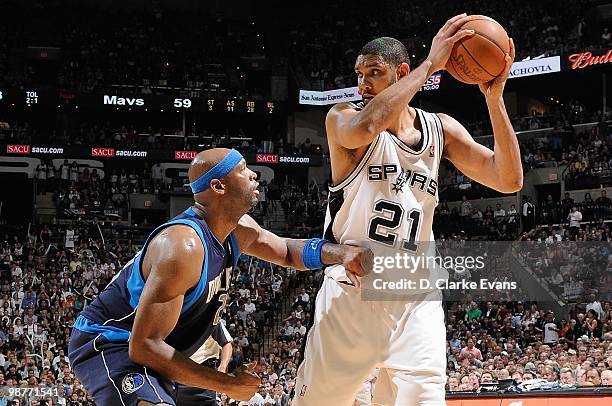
(388, 202)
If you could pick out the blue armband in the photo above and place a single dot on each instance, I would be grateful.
(311, 254)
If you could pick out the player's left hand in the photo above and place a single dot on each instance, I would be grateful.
(494, 89)
(357, 260)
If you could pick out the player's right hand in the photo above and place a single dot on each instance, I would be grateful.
(445, 39)
(244, 384)
(357, 260)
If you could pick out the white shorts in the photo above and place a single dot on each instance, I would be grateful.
(350, 337)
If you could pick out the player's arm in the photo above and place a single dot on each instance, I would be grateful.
(352, 129)
(176, 256)
(288, 252)
(224, 339)
(501, 168)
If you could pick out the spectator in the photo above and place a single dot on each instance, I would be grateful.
(469, 354)
(604, 205)
(575, 217)
(551, 329)
(568, 378)
(528, 214)
(474, 312)
(596, 306)
(592, 378)
(606, 377)
(499, 213)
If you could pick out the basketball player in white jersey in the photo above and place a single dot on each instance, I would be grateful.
(385, 157)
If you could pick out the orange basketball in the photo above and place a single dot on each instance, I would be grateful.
(480, 57)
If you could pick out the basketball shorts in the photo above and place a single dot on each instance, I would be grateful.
(351, 337)
(110, 377)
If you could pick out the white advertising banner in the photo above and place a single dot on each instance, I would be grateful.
(329, 97)
(535, 67)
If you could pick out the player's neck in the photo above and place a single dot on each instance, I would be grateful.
(219, 223)
(404, 123)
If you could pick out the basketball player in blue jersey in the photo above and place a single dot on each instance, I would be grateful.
(385, 157)
(132, 345)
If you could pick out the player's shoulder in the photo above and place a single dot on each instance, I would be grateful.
(447, 120)
(176, 241)
(176, 253)
(451, 128)
(339, 115)
(346, 106)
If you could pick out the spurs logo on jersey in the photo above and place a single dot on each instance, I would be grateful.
(389, 198)
(418, 180)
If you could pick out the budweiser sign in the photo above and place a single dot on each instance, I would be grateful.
(584, 59)
(17, 149)
(185, 155)
(266, 158)
(103, 152)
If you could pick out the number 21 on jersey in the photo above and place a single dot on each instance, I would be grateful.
(387, 218)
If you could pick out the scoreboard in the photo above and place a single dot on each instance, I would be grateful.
(28, 97)
(168, 103)
(135, 102)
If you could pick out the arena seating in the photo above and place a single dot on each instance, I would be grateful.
(48, 277)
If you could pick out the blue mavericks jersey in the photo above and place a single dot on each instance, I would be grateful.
(112, 313)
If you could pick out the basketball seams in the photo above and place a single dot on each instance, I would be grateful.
(486, 36)
(476, 61)
(491, 62)
(485, 18)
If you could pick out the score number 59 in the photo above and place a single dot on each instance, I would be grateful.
(184, 103)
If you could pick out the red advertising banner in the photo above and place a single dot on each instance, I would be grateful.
(585, 59)
(266, 158)
(155, 155)
(17, 149)
(185, 155)
(103, 152)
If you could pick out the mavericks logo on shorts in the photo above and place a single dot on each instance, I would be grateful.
(303, 391)
(131, 383)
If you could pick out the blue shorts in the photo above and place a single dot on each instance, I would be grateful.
(189, 396)
(110, 377)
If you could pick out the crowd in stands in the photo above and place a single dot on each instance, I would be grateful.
(203, 52)
(523, 346)
(325, 46)
(104, 46)
(48, 277)
(44, 286)
(570, 265)
(584, 149)
(494, 224)
(560, 211)
(304, 207)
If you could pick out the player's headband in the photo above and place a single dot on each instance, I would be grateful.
(218, 171)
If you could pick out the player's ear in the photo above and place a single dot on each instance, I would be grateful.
(217, 186)
(402, 70)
